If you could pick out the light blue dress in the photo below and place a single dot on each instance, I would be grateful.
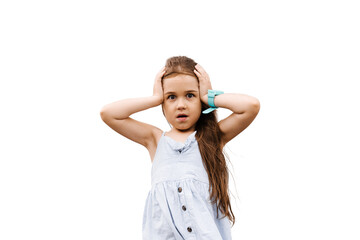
(178, 205)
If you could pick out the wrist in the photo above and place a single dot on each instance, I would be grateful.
(157, 99)
(204, 99)
(211, 100)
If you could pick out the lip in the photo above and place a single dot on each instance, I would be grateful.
(181, 114)
(181, 117)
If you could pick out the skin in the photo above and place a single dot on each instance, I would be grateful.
(116, 115)
(181, 95)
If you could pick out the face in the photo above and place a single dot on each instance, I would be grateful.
(182, 104)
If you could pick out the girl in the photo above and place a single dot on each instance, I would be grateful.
(189, 176)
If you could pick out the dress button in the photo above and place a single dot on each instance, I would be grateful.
(179, 189)
(184, 208)
(189, 229)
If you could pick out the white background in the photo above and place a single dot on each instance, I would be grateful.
(65, 174)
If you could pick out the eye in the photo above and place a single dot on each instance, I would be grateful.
(190, 95)
(171, 97)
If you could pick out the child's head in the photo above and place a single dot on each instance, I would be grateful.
(182, 103)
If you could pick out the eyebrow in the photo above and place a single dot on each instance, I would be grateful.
(188, 91)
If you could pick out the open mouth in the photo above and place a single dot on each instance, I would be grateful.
(182, 117)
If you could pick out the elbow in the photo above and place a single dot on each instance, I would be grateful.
(103, 113)
(255, 105)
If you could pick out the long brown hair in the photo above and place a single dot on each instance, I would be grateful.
(210, 143)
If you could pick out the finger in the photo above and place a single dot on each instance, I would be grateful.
(199, 75)
(161, 72)
(199, 67)
(162, 69)
(201, 70)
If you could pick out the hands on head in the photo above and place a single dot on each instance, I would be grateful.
(204, 82)
(158, 91)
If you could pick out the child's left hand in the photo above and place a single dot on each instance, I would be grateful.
(204, 82)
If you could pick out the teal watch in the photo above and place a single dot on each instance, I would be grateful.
(211, 95)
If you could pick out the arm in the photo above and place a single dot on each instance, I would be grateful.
(116, 115)
(244, 107)
(124, 108)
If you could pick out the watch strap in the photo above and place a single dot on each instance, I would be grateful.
(211, 95)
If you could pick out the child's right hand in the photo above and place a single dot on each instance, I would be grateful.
(158, 91)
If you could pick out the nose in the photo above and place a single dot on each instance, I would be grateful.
(181, 104)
